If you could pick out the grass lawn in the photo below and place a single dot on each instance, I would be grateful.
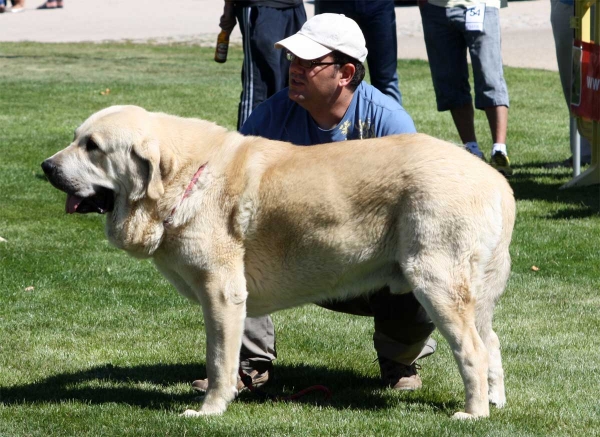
(93, 342)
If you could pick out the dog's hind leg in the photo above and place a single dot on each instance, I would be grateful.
(445, 291)
(496, 392)
(494, 284)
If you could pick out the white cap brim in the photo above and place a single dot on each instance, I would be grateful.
(303, 47)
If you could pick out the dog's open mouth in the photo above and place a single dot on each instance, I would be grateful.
(101, 202)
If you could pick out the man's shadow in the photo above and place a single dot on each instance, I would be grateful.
(150, 387)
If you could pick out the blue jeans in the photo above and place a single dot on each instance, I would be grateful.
(377, 20)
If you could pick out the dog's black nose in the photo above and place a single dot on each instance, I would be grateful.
(48, 167)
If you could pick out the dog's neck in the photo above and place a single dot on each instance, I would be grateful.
(139, 227)
(169, 220)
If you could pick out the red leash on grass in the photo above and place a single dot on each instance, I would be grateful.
(247, 380)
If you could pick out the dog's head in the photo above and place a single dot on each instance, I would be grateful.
(112, 155)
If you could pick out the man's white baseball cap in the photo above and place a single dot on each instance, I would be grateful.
(325, 33)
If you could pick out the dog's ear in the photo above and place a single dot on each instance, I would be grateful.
(149, 152)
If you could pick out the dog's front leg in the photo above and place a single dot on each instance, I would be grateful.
(224, 308)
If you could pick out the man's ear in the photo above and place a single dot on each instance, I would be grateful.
(347, 72)
(149, 152)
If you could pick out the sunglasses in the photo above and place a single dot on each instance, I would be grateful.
(304, 63)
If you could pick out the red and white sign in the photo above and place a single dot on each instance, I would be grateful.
(585, 89)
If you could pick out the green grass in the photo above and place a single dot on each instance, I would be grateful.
(93, 342)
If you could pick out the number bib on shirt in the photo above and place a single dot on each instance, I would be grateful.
(474, 17)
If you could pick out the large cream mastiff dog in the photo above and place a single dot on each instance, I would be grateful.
(244, 225)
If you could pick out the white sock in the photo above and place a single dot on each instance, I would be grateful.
(499, 147)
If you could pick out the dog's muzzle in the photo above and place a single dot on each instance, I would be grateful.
(102, 201)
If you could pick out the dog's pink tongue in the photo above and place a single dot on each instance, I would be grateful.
(72, 203)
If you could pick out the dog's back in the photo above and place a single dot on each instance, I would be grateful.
(334, 220)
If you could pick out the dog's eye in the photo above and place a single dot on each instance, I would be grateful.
(91, 145)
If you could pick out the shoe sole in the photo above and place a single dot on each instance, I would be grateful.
(503, 168)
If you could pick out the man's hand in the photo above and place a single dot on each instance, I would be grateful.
(227, 22)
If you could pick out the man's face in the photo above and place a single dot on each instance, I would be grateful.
(315, 85)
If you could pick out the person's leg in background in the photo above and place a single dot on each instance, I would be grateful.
(463, 117)
(402, 333)
(256, 355)
(258, 349)
(402, 336)
(560, 16)
(378, 23)
(498, 121)
(377, 20)
(447, 54)
(265, 69)
(17, 6)
(491, 93)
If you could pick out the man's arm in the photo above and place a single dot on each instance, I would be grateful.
(266, 119)
(397, 122)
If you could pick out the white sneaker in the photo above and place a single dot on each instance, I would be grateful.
(501, 163)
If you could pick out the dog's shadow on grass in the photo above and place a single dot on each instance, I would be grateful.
(159, 387)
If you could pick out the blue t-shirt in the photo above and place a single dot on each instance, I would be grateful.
(370, 114)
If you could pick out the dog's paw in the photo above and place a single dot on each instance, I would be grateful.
(190, 413)
(460, 415)
(202, 412)
(213, 408)
(497, 399)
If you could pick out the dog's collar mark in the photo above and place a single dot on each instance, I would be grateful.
(169, 220)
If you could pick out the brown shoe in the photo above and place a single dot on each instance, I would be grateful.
(258, 380)
(399, 376)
